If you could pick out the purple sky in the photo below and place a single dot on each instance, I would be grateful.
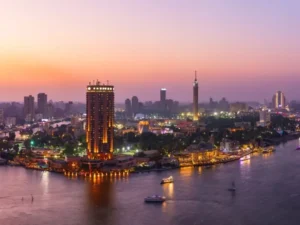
(243, 50)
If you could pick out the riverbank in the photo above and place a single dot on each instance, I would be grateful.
(283, 139)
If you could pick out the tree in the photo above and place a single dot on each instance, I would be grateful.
(27, 144)
(16, 148)
(69, 149)
(118, 142)
(148, 141)
(131, 137)
(11, 136)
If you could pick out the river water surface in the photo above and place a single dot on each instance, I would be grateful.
(268, 192)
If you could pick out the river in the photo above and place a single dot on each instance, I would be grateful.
(268, 192)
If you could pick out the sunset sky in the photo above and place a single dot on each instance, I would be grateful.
(243, 50)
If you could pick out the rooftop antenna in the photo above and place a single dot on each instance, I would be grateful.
(107, 82)
(195, 75)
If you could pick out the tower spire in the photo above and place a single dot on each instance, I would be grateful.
(195, 75)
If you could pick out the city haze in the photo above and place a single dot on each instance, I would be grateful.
(241, 50)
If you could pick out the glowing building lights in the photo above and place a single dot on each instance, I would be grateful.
(100, 120)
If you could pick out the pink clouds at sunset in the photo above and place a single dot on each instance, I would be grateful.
(58, 47)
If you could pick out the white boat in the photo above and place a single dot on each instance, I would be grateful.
(232, 189)
(155, 199)
(167, 180)
(246, 157)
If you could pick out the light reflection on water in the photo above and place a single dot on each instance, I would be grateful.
(200, 169)
(45, 181)
(186, 171)
(197, 196)
(168, 190)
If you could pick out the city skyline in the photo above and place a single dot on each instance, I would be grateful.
(236, 47)
(269, 99)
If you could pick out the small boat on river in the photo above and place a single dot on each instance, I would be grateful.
(155, 199)
(246, 157)
(232, 189)
(167, 180)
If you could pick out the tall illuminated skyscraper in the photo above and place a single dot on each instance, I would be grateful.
(195, 98)
(100, 120)
(279, 101)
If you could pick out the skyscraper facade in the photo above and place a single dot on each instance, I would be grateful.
(195, 98)
(50, 111)
(68, 108)
(100, 120)
(128, 108)
(279, 101)
(29, 111)
(163, 95)
(42, 103)
(135, 105)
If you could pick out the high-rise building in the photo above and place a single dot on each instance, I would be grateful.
(128, 108)
(68, 108)
(135, 105)
(279, 101)
(1, 116)
(223, 105)
(29, 111)
(163, 101)
(50, 111)
(42, 103)
(10, 121)
(195, 98)
(264, 118)
(163, 94)
(238, 107)
(100, 120)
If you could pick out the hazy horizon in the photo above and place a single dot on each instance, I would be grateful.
(242, 50)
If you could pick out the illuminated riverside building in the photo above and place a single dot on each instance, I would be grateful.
(195, 98)
(143, 126)
(193, 157)
(100, 120)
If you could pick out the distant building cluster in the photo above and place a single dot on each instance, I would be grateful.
(164, 107)
(44, 109)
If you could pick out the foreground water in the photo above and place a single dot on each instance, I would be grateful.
(268, 192)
